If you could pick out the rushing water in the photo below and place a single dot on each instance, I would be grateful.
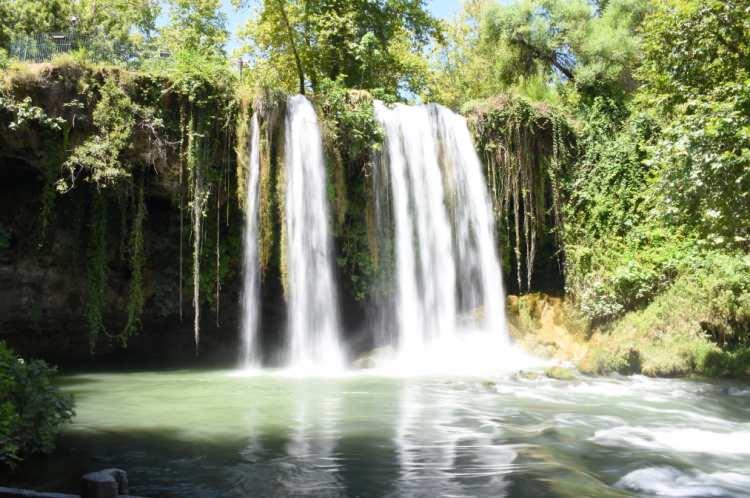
(446, 266)
(250, 354)
(216, 434)
(314, 335)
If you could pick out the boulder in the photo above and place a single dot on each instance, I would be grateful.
(108, 483)
(372, 358)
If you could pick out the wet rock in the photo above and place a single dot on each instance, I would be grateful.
(372, 358)
(560, 373)
(527, 375)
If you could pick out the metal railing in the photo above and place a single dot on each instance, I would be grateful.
(43, 47)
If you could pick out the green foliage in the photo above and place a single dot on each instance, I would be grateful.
(203, 79)
(678, 332)
(697, 79)
(715, 363)
(349, 118)
(24, 113)
(536, 47)
(32, 409)
(297, 44)
(196, 26)
(654, 191)
(352, 136)
(594, 48)
(99, 159)
(606, 188)
(117, 30)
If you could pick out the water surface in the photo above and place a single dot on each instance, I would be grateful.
(219, 434)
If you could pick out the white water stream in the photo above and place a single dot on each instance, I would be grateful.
(250, 354)
(449, 302)
(447, 311)
(314, 341)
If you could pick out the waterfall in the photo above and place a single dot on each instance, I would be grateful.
(449, 301)
(250, 354)
(313, 316)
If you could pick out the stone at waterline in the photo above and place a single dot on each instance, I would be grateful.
(373, 357)
(560, 373)
(108, 483)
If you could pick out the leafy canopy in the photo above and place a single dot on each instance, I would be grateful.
(127, 22)
(696, 75)
(295, 44)
(534, 45)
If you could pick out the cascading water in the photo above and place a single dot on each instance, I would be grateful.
(425, 267)
(449, 302)
(250, 355)
(479, 277)
(313, 326)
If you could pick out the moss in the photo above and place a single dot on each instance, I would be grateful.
(242, 150)
(282, 224)
(546, 326)
(271, 109)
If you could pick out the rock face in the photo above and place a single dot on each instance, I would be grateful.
(44, 284)
(541, 325)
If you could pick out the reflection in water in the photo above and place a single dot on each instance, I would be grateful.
(209, 434)
(314, 436)
(445, 449)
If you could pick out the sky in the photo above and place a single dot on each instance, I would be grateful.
(444, 9)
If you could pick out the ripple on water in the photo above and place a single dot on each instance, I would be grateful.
(669, 481)
(735, 443)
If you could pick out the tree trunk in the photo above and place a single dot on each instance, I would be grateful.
(297, 60)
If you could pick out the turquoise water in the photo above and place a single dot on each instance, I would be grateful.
(218, 434)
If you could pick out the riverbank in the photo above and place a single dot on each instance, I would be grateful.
(664, 339)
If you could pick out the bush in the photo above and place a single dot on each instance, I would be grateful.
(32, 409)
(699, 324)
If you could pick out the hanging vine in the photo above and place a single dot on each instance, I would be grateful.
(137, 262)
(524, 147)
(199, 197)
(182, 160)
(96, 268)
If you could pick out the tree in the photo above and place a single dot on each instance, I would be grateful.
(535, 45)
(696, 75)
(363, 44)
(196, 26)
(123, 22)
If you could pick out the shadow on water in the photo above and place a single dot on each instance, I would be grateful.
(161, 463)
